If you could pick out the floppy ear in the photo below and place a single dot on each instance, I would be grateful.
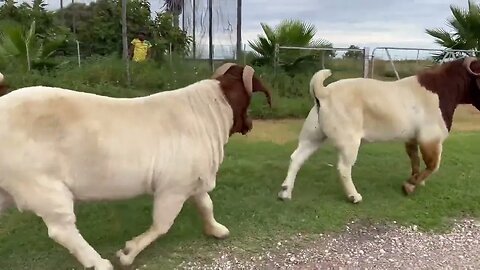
(3, 89)
(247, 77)
(257, 86)
(221, 70)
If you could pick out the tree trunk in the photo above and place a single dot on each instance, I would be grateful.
(124, 40)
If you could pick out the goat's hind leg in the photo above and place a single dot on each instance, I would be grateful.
(347, 156)
(53, 202)
(310, 139)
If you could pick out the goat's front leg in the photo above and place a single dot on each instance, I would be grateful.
(165, 209)
(346, 159)
(411, 147)
(431, 154)
(204, 204)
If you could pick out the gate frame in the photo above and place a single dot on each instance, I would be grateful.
(448, 52)
(364, 51)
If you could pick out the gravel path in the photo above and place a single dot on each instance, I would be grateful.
(373, 247)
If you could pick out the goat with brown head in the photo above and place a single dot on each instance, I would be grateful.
(456, 82)
(238, 84)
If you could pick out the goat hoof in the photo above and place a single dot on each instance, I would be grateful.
(355, 198)
(103, 265)
(284, 194)
(218, 231)
(124, 257)
(408, 188)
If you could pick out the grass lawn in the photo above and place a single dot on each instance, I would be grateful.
(245, 201)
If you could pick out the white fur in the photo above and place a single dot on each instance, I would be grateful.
(360, 109)
(59, 146)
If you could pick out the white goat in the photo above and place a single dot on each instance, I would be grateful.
(59, 146)
(417, 110)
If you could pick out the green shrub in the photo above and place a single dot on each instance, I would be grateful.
(107, 76)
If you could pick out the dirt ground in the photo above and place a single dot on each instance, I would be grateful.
(364, 247)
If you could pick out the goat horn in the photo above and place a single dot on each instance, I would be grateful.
(467, 62)
(221, 70)
(247, 77)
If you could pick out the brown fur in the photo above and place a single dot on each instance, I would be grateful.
(232, 86)
(412, 150)
(3, 89)
(453, 85)
(431, 157)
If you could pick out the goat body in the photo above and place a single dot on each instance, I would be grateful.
(61, 146)
(417, 110)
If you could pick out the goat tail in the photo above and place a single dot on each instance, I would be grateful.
(317, 90)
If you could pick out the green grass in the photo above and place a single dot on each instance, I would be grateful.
(245, 201)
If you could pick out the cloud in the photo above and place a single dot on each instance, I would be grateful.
(365, 23)
(371, 23)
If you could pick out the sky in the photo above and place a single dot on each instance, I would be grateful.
(369, 23)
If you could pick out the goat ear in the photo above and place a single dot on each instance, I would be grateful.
(3, 89)
(222, 69)
(257, 86)
(247, 77)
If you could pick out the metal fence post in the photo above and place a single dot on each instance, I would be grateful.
(393, 65)
(78, 53)
(366, 51)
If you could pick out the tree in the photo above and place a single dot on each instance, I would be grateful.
(164, 35)
(97, 25)
(353, 54)
(464, 34)
(175, 7)
(288, 33)
(27, 49)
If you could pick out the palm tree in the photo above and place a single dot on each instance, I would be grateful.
(175, 7)
(25, 48)
(287, 33)
(465, 34)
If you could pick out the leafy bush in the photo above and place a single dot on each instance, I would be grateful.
(105, 75)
